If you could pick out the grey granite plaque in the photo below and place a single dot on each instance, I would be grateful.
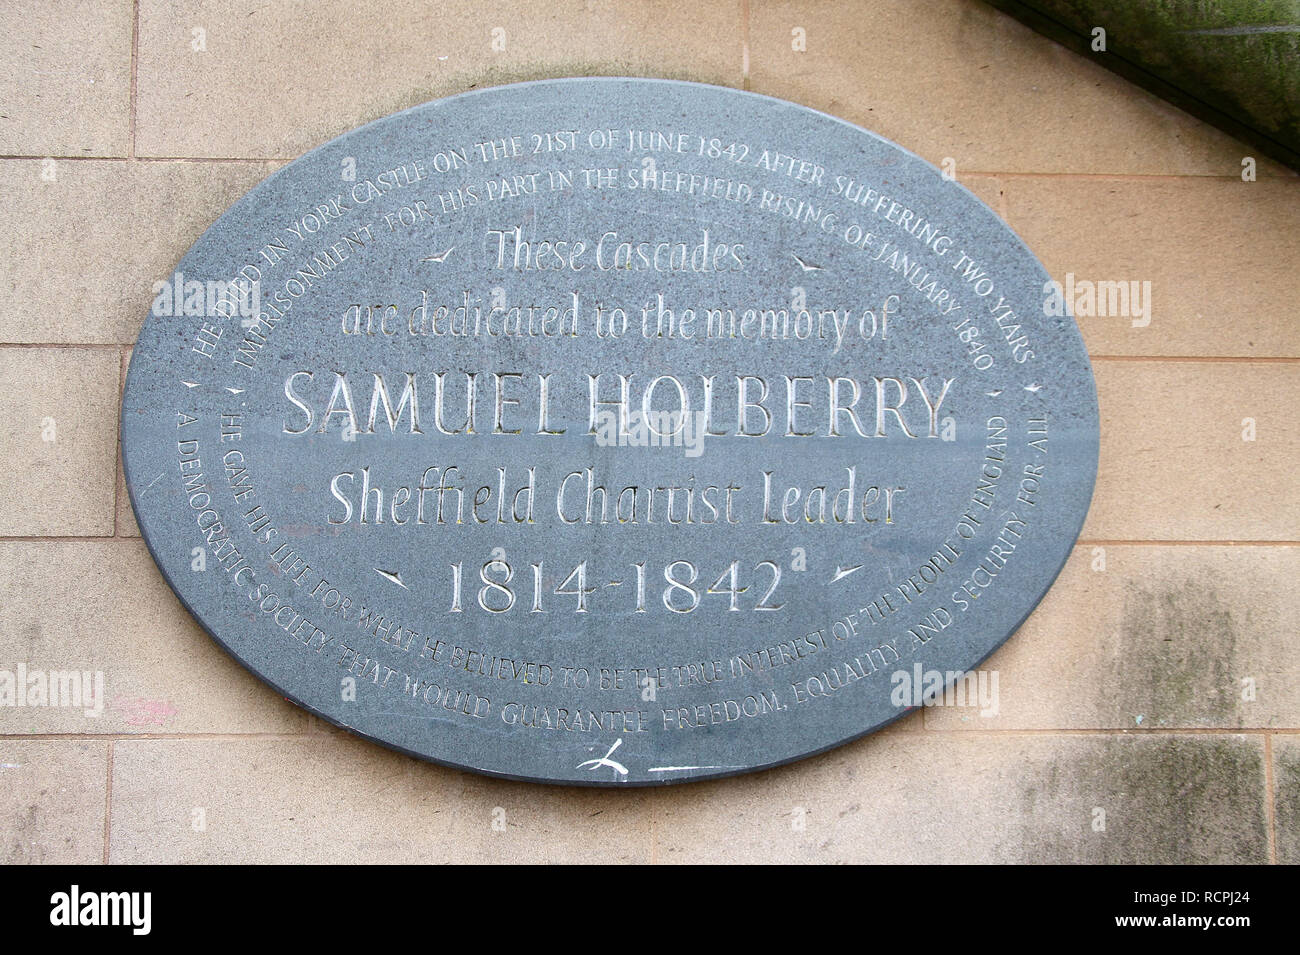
(609, 431)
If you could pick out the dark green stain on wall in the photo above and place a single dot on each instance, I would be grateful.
(1233, 63)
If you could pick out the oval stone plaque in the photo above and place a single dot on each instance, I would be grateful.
(609, 431)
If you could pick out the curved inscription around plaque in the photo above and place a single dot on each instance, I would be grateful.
(609, 431)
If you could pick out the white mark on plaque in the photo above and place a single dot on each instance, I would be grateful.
(392, 576)
(685, 769)
(439, 258)
(806, 266)
(595, 764)
(842, 572)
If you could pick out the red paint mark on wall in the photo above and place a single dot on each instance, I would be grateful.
(138, 711)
